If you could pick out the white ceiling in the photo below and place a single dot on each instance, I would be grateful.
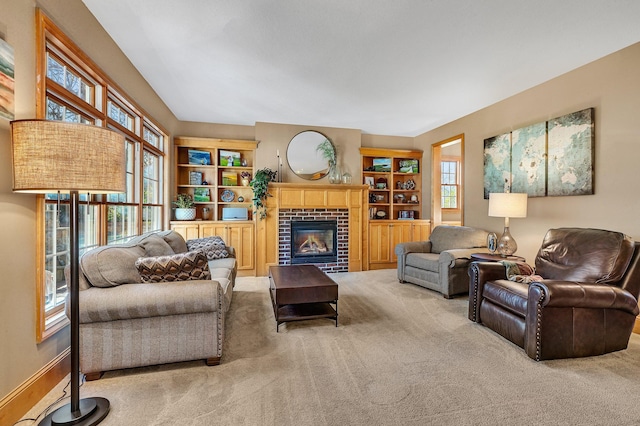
(387, 67)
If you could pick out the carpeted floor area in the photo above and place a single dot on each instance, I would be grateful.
(401, 355)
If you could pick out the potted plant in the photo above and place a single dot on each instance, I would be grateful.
(245, 178)
(328, 152)
(185, 207)
(260, 186)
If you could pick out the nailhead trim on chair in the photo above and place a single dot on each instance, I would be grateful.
(538, 321)
(221, 316)
(475, 297)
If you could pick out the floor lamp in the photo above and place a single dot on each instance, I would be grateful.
(69, 158)
(507, 205)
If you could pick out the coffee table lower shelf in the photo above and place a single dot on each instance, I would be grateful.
(305, 311)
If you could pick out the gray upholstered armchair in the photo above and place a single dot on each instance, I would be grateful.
(441, 263)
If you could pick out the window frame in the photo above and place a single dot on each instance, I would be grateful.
(450, 159)
(51, 41)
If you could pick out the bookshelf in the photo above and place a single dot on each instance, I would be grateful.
(211, 170)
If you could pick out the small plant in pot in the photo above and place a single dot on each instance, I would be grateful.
(260, 186)
(245, 178)
(185, 207)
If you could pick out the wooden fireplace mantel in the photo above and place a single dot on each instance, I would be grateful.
(303, 196)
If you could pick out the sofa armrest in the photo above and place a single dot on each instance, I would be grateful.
(403, 249)
(564, 294)
(450, 256)
(144, 300)
(480, 273)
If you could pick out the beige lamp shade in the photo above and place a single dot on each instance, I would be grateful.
(52, 156)
(507, 205)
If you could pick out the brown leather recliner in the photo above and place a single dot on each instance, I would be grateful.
(586, 304)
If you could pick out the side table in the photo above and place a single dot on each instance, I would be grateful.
(488, 257)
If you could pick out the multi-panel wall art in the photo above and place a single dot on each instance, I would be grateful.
(544, 159)
(7, 83)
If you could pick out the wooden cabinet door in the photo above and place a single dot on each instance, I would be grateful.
(421, 230)
(240, 236)
(218, 229)
(188, 231)
(379, 242)
(400, 233)
(237, 235)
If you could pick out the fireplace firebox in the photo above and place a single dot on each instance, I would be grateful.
(314, 241)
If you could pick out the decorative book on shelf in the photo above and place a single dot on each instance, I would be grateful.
(202, 158)
(382, 164)
(195, 178)
(229, 158)
(201, 195)
(408, 166)
(229, 179)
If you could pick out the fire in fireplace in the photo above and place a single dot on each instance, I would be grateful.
(314, 241)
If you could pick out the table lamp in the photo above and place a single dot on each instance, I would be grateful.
(69, 158)
(507, 205)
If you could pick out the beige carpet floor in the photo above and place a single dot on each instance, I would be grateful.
(401, 355)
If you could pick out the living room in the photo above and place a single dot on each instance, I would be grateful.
(609, 85)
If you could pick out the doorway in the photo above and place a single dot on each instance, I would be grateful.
(447, 189)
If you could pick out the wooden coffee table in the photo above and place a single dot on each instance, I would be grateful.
(302, 292)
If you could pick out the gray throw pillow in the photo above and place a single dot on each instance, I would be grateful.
(175, 240)
(110, 266)
(155, 245)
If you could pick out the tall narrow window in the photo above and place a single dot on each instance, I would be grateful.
(449, 182)
(72, 88)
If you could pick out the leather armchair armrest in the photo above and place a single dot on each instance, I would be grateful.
(480, 273)
(561, 294)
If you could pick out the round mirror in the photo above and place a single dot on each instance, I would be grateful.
(309, 155)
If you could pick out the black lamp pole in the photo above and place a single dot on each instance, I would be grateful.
(87, 411)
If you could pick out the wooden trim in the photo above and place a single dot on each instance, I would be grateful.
(391, 152)
(49, 31)
(51, 38)
(636, 327)
(24, 397)
(436, 157)
(196, 142)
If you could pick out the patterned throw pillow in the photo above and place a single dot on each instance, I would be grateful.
(212, 247)
(192, 265)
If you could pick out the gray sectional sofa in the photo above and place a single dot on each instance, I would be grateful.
(128, 320)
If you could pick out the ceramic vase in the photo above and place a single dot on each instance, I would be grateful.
(185, 214)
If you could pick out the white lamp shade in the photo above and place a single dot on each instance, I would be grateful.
(507, 204)
(52, 156)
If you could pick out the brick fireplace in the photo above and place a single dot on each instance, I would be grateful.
(347, 204)
(316, 236)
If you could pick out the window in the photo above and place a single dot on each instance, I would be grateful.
(449, 183)
(76, 90)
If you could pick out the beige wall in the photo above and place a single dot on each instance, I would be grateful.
(610, 85)
(20, 356)
(212, 130)
(274, 137)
